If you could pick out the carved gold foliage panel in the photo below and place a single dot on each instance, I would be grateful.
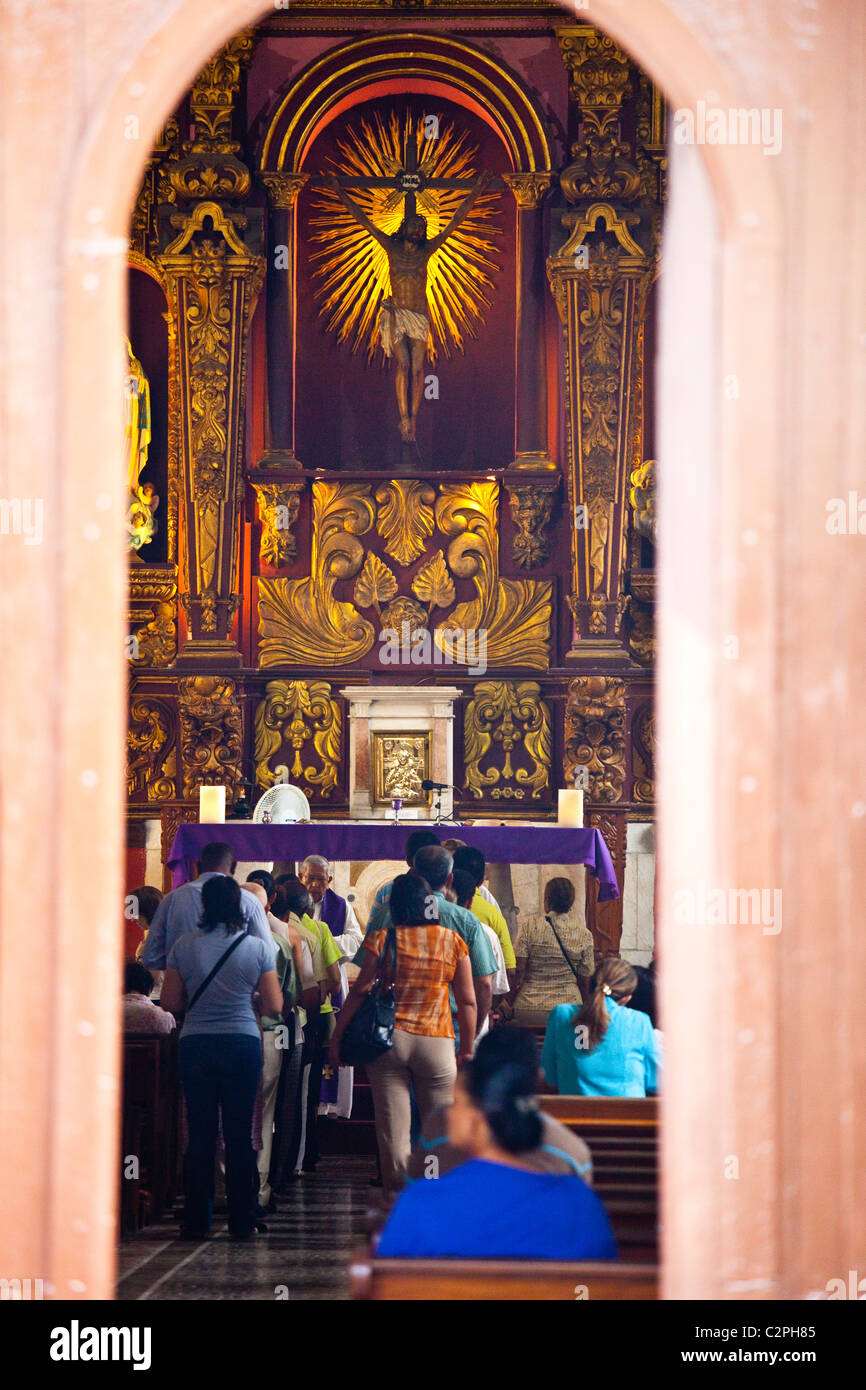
(504, 715)
(151, 750)
(300, 620)
(515, 614)
(300, 716)
(211, 733)
(595, 716)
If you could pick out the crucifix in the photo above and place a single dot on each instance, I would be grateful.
(404, 323)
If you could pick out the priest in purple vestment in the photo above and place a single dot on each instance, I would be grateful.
(335, 1097)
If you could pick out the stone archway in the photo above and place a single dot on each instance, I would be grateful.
(371, 878)
(63, 612)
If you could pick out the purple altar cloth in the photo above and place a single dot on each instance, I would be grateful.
(345, 840)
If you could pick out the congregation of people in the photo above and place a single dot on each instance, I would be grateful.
(265, 982)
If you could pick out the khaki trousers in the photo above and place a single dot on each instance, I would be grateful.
(272, 1061)
(430, 1065)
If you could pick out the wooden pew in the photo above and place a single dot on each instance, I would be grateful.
(633, 1114)
(622, 1134)
(150, 1123)
(497, 1280)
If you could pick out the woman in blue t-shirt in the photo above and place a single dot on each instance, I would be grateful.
(492, 1207)
(220, 1050)
(603, 1048)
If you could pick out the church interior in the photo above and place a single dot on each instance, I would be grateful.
(395, 313)
(316, 599)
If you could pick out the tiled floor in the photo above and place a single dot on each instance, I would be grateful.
(304, 1255)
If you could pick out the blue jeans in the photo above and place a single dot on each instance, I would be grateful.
(220, 1071)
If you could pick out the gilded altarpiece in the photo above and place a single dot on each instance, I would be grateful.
(285, 580)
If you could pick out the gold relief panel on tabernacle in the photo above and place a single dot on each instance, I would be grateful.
(401, 762)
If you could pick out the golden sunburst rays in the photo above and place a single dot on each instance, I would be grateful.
(351, 268)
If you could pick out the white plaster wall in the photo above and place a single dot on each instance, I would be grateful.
(638, 915)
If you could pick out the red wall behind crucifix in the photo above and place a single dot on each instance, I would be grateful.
(346, 413)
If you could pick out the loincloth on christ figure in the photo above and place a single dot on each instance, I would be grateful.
(395, 324)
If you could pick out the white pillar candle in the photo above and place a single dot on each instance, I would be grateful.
(570, 811)
(211, 805)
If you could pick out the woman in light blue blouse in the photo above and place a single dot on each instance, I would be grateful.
(602, 1048)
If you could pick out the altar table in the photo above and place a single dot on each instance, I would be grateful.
(368, 840)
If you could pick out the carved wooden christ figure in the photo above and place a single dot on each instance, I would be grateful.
(404, 323)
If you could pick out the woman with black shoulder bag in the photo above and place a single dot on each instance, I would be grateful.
(419, 963)
(217, 968)
(555, 958)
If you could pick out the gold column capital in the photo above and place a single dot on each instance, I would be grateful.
(529, 188)
(283, 189)
(598, 69)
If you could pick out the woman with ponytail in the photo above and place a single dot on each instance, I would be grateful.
(602, 1048)
(494, 1206)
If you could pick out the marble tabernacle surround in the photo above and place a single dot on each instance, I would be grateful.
(398, 736)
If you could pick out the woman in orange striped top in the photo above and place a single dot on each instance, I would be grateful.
(430, 958)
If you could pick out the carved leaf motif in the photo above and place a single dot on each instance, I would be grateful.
(375, 584)
(405, 518)
(433, 584)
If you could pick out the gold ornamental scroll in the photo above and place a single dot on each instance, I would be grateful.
(301, 623)
(509, 619)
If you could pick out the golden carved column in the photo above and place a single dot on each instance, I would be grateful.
(283, 190)
(600, 278)
(213, 282)
(213, 272)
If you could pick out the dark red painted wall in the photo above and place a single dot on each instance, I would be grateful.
(346, 414)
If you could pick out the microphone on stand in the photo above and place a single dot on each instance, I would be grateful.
(428, 786)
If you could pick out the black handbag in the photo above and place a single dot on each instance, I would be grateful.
(370, 1033)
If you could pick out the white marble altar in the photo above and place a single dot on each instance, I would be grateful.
(399, 709)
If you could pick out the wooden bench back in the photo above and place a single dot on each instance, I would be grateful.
(497, 1280)
(150, 1122)
(631, 1114)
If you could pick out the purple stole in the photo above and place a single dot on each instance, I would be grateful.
(334, 916)
(334, 912)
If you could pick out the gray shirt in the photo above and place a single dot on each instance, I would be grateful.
(180, 912)
(226, 1006)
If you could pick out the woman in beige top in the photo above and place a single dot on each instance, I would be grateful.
(544, 978)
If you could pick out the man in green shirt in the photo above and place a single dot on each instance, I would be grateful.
(320, 1026)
